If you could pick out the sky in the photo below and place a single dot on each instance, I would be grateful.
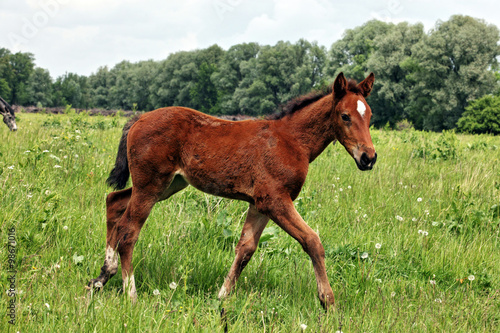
(79, 36)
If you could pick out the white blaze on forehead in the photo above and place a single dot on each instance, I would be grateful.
(361, 108)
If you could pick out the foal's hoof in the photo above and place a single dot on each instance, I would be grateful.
(328, 302)
(94, 284)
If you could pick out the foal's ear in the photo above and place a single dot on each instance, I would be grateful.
(340, 86)
(366, 85)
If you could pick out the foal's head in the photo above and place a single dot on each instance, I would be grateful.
(9, 117)
(351, 117)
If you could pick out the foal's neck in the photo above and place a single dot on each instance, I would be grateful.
(312, 126)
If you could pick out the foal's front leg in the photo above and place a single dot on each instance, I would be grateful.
(284, 214)
(252, 230)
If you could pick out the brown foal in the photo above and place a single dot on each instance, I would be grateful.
(264, 162)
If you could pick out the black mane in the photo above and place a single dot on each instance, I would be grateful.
(301, 102)
(7, 106)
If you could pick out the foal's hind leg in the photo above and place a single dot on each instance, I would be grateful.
(250, 235)
(127, 232)
(122, 232)
(116, 203)
(129, 226)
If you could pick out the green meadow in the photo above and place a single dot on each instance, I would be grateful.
(413, 245)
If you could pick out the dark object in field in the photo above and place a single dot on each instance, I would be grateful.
(263, 162)
(9, 118)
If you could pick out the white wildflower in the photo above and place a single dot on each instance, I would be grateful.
(47, 192)
(28, 151)
(433, 282)
(65, 227)
(11, 167)
(438, 300)
(364, 255)
(399, 218)
(393, 294)
(378, 280)
(54, 157)
(414, 219)
(57, 166)
(173, 285)
(156, 292)
(419, 199)
(303, 327)
(47, 305)
(378, 246)
(98, 284)
(471, 277)
(435, 224)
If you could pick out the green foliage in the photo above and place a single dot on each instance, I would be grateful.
(15, 70)
(481, 116)
(444, 147)
(451, 72)
(404, 125)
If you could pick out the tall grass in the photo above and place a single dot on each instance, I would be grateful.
(410, 245)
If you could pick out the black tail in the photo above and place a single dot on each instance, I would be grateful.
(118, 177)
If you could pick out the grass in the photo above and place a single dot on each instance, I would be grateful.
(431, 203)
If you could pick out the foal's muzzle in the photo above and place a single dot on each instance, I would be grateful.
(365, 162)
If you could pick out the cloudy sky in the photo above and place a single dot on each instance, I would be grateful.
(79, 36)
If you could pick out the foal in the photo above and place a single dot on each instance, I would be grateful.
(9, 117)
(263, 162)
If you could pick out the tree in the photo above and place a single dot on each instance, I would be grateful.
(452, 67)
(204, 93)
(393, 64)
(229, 75)
(351, 53)
(99, 85)
(15, 70)
(22, 67)
(69, 90)
(481, 116)
(39, 87)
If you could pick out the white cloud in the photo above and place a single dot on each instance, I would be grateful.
(82, 35)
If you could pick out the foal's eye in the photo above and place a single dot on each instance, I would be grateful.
(346, 118)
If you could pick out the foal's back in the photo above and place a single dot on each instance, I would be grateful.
(234, 159)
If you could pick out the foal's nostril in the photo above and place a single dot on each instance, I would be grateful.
(365, 160)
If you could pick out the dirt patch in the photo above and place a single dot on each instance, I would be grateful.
(94, 112)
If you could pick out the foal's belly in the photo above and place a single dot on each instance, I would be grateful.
(215, 183)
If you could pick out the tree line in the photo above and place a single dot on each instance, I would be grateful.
(427, 78)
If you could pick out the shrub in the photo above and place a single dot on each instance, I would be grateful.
(481, 116)
(404, 125)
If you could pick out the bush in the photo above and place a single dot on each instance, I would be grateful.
(481, 116)
(404, 125)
